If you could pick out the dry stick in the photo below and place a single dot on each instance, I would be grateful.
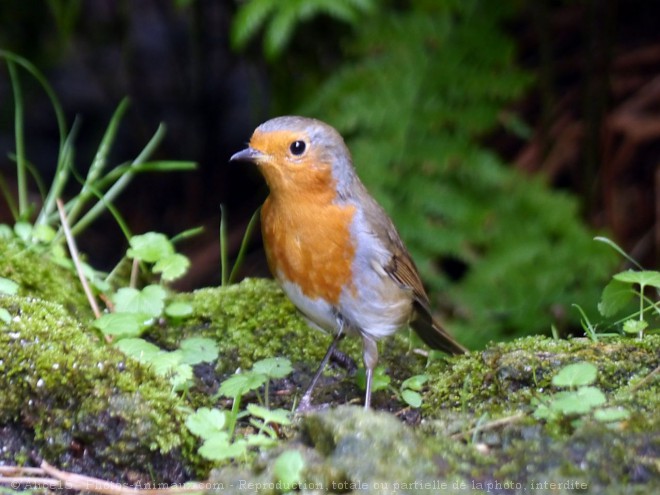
(62, 479)
(134, 273)
(12, 470)
(17, 481)
(645, 380)
(96, 485)
(490, 425)
(76, 258)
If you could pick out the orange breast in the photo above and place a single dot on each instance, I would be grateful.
(310, 245)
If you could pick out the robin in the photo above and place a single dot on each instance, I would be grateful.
(331, 246)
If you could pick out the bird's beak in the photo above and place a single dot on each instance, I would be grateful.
(247, 155)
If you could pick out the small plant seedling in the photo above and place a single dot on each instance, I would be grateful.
(8, 287)
(237, 385)
(158, 250)
(582, 398)
(217, 428)
(289, 468)
(272, 368)
(175, 365)
(381, 380)
(410, 390)
(622, 289)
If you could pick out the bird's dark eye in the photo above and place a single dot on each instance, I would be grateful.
(298, 147)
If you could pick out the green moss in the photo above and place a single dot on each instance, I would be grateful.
(254, 320)
(505, 377)
(350, 450)
(39, 276)
(500, 382)
(72, 392)
(251, 320)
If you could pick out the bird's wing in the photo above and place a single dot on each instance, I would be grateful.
(402, 270)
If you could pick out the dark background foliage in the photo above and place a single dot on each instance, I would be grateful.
(500, 135)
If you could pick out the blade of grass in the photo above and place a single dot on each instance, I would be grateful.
(164, 166)
(9, 198)
(121, 183)
(64, 166)
(244, 243)
(99, 162)
(34, 173)
(187, 234)
(616, 247)
(59, 117)
(21, 168)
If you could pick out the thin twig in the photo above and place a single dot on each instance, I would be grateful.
(645, 380)
(135, 268)
(18, 481)
(490, 425)
(13, 470)
(76, 258)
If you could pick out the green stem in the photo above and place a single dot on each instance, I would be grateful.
(98, 164)
(234, 415)
(121, 183)
(244, 244)
(21, 168)
(64, 165)
(49, 206)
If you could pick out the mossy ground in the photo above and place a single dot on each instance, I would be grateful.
(69, 398)
(81, 403)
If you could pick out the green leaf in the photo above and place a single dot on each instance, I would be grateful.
(380, 379)
(44, 233)
(610, 414)
(123, 325)
(138, 349)
(205, 422)
(23, 231)
(615, 297)
(575, 375)
(415, 382)
(172, 266)
(8, 287)
(5, 316)
(181, 376)
(218, 448)
(412, 398)
(581, 401)
(289, 467)
(646, 278)
(166, 363)
(6, 232)
(273, 367)
(248, 20)
(195, 350)
(237, 385)
(635, 327)
(260, 441)
(150, 247)
(278, 416)
(178, 310)
(149, 300)
(543, 411)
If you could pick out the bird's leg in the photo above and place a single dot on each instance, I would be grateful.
(370, 356)
(306, 401)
